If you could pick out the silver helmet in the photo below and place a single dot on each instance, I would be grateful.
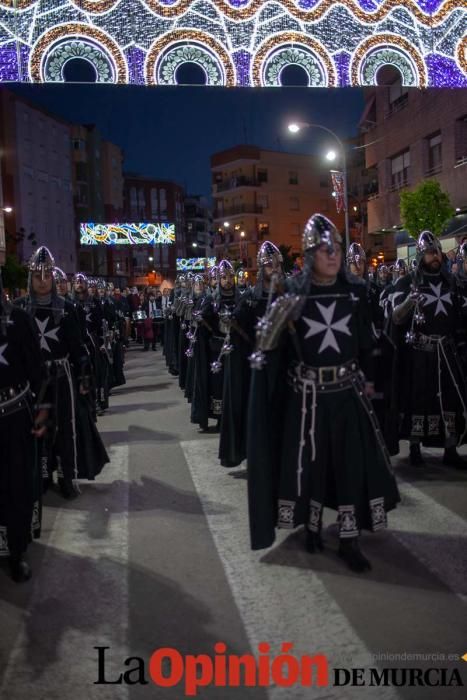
(413, 265)
(269, 254)
(427, 243)
(356, 255)
(80, 278)
(225, 268)
(42, 261)
(319, 230)
(400, 268)
(59, 276)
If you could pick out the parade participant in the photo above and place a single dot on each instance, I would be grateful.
(387, 295)
(61, 281)
(250, 309)
(242, 281)
(313, 439)
(184, 313)
(23, 419)
(153, 308)
(65, 356)
(213, 343)
(428, 329)
(122, 310)
(198, 296)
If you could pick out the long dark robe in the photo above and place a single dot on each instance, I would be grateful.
(289, 482)
(20, 477)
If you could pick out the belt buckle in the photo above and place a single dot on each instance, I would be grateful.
(327, 375)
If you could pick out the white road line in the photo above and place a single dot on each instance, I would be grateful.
(54, 655)
(272, 599)
(420, 527)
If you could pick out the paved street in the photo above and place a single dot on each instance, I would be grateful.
(156, 553)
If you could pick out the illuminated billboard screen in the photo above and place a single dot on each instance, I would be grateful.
(127, 234)
(184, 264)
(236, 42)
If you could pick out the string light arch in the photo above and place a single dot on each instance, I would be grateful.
(236, 42)
(179, 47)
(387, 49)
(292, 48)
(56, 47)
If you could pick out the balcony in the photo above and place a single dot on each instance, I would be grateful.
(236, 211)
(236, 182)
(434, 170)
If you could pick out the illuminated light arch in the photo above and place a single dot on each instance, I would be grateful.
(461, 54)
(179, 7)
(271, 58)
(181, 46)
(53, 49)
(387, 49)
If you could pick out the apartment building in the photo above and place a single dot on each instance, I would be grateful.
(266, 195)
(411, 135)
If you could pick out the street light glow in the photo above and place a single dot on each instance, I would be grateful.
(242, 233)
(8, 209)
(331, 155)
(150, 259)
(226, 224)
(355, 208)
(195, 245)
(293, 128)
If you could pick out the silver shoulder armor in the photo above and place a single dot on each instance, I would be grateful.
(270, 327)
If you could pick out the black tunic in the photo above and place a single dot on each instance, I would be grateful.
(20, 363)
(309, 448)
(429, 386)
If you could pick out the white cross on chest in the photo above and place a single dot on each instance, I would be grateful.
(44, 333)
(328, 327)
(3, 361)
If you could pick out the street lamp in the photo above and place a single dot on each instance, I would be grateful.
(294, 128)
(195, 245)
(242, 234)
(226, 224)
(150, 259)
(8, 210)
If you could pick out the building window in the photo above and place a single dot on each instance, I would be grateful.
(263, 230)
(293, 177)
(262, 175)
(163, 201)
(294, 203)
(263, 201)
(398, 96)
(460, 136)
(78, 144)
(434, 153)
(400, 165)
(154, 203)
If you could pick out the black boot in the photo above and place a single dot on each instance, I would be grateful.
(416, 458)
(313, 541)
(452, 458)
(67, 489)
(350, 552)
(20, 570)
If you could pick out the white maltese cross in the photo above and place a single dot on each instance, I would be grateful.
(328, 327)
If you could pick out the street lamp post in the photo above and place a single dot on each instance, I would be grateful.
(294, 129)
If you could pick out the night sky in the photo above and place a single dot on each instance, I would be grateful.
(170, 133)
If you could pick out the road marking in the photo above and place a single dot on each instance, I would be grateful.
(271, 599)
(420, 525)
(54, 654)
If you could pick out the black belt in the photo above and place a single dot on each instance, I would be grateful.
(325, 378)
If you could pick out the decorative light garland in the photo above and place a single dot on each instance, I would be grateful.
(239, 42)
(188, 36)
(75, 30)
(386, 40)
(265, 51)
